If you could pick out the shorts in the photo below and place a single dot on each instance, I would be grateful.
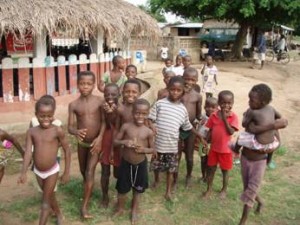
(45, 174)
(165, 162)
(107, 141)
(132, 177)
(248, 140)
(223, 159)
(262, 56)
(184, 134)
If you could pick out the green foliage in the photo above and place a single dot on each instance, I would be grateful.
(156, 14)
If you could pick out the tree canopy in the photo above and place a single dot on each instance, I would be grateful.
(155, 13)
(247, 13)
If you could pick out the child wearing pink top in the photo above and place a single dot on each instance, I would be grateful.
(222, 124)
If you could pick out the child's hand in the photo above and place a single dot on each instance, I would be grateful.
(65, 178)
(154, 154)
(96, 146)
(80, 135)
(130, 144)
(22, 178)
(205, 150)
(280, 123)
(139, 149)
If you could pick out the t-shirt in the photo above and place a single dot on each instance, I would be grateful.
(169, 118)
(220, 139)
(178, 70)
(106, 79)
(164, 52)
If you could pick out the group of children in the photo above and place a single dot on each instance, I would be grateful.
(121, 129)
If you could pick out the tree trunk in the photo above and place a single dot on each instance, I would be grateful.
(237, 47)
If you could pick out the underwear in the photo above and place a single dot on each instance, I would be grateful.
(84, 144)
(248, 140)
(44, 174)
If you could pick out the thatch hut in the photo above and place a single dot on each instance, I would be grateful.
(98, 18)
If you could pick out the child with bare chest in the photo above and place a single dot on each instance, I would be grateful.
(163, 93)
(46, 139)
(136, 140)
(86, 123)
(193, 103)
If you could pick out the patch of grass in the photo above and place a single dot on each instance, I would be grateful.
(279, 192)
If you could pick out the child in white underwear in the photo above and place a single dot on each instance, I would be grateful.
(46, 139)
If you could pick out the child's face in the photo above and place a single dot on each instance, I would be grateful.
(130, 72)
(189, 81)
(45, 115)
(209, 60)
(178, 60)
(86, 85)
(167, 78)
(168, 63)
(111, 95)
(210, 108)
(226, 102)
(254, 101)
(121, 64)
(186, 61)
(140, 114)
(175, 92)
(130, 93)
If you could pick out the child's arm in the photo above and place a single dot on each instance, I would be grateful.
(97, 142)
(80, 134)
(27, 158)
(150, 148)
(215, 78)
(203, 69)
(247, 118)
(65, 145)
(199, 108)
(278, 124)
(119, 138)
(5, 136)
(230, 129)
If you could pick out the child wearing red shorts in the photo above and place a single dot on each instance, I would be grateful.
(222, 124)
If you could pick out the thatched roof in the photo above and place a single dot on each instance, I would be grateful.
(116, 17)
(219, 24)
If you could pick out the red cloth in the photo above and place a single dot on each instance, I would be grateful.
(220, 139)
(106, 148)
(223, 159)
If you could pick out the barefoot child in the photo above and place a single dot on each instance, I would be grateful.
(136, 140)
(162, 93)
(45, 140)
(193, 103)
(111, 96)
(131, 71)
(7, 142)
(169, 115)
(86, 123)
(222, 124)
(116, 75)
(210, 106)
(209, 77)
(257, 144)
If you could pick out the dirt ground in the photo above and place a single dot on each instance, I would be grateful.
(235, 76)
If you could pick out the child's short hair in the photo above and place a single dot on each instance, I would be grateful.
(176, 79)
(211, 101)
(132, 66)
(133, 81)
(187, 57)
(264, 92)
(225, 92)
(141, 101)
(168, 59)
(86, 73)
(169, 73)
(191, 71)
(115, 59)
(109, 85)
(178, 56)
(45, 100)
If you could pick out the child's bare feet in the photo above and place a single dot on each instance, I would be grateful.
(134, 217)
(105, 201)
(259, 208)
(223, 194)
(174, 187)
(85, 214)
(59, 219)
(188, 182)
(154, 185)
(168, 197)
(206, 195)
